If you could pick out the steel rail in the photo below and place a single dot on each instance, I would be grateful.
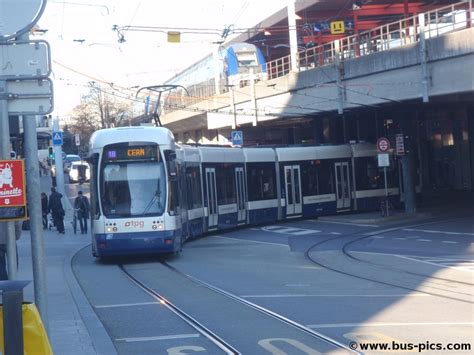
(214, 338)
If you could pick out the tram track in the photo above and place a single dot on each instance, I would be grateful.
(225, 346)
(331, 264)
(199, 327)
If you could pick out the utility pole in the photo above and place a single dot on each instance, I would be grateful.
(58, 160)
(8, 228)
(30, 149)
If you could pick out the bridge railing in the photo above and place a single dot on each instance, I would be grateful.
(400, 33)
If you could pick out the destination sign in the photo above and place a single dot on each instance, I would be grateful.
(131, 153)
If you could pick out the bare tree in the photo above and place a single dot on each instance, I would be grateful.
(100, 108)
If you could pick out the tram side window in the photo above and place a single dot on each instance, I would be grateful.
(310, 178)
(225, 180)
(317, 177)
(193, 186)
(370, 177)
(261, 181)
(95, 210)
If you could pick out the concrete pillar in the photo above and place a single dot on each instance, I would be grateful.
(406, 126)
(470, 120)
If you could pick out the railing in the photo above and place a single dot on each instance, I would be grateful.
(407, 31)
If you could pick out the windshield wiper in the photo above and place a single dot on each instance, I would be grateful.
(152, 201)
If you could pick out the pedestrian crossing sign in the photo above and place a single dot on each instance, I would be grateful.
(237, 138)
(58, 138)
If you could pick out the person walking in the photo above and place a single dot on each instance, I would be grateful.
(44, 209)
(57, 211)
(3, 250)
(3, 256)
(81, 205)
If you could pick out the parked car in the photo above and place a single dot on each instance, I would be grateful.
(78, 170)
(68, 161)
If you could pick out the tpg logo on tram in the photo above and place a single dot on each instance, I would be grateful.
(136, 224)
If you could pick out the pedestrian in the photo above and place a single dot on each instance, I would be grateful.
(55, 206)
(44, 209)
(3, 249)
(3, 254)
(81, 205)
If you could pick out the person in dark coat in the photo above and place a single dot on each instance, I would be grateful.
(57, 210)
(44, 209)
(81, 205)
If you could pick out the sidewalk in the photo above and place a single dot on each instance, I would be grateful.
(73, 325)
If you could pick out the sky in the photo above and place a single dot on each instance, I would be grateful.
(85, 49)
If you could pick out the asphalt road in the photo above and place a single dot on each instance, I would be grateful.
(366, 284)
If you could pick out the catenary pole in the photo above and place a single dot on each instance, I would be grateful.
(34, 209)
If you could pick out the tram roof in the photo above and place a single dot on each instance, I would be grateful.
(253, 155)
(221, 155)
(103, 137)
(311, 153)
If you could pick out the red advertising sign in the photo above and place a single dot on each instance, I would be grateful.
(12, 183)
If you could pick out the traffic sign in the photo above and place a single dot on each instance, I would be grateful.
(77, 139)
(30, 97)
(383, 160)
(400, 144)
(237, 138)
(383, 144)
(19, 60)
(18, 17)
(57, 138)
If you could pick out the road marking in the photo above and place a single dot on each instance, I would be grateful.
(127, 305)
(335, 233)
(381, 324)
(346, 223)
(378, 237)
(315, 295)
(251, 241)
(289, 230)
(157, 338)
(400, 238)
(448, 242)
(439, 264)
(297, 285)
(435, 231)
(423, 240)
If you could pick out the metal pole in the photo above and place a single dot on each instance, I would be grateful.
(254, 97)
(424, 58)
(58, 161)
(293, 35)
(34, 208)
(8, 227)
(386, 190)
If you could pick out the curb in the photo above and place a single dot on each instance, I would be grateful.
(99, 337)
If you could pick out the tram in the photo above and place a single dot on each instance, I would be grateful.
(148, 195)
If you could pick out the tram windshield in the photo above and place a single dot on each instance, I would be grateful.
(133, 189)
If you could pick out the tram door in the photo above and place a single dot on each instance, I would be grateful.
(240, 189)
(343, 186)
(211, 196)
(293, 189)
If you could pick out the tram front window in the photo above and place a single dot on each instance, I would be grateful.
(133, 189)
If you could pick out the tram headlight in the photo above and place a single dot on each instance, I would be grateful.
(109, 229)
(161, 226)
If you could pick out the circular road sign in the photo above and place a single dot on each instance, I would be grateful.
(18, 17)
(383, 144)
